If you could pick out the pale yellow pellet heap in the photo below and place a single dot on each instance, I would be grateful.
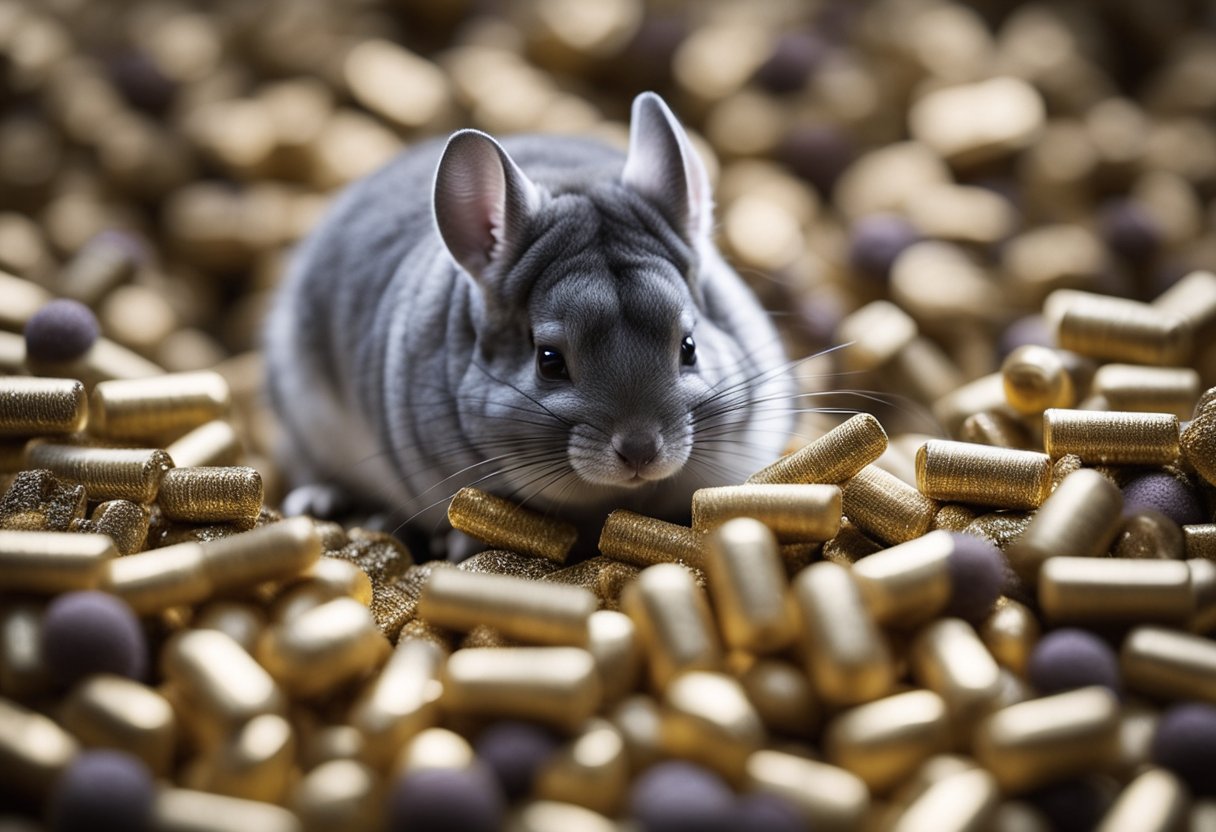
(977, 594)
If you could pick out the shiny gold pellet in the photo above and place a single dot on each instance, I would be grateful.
(590, 770)
(104, 361)
(980, 474)
(673, 622)
(640, 722)
(995, 428)
(1046, 740)
(399, 702)
(1115, 590)
(795, 513)
(612, 639)
(1081, 517)
(1193, 297)
(338, 578)
(22, 299)
(1117, 329)
(213, 443)
(556, 816)
(949, 659)
(502, 524)
(908, 583)
(1112, 438)
(219, 682)
(1156, 801)
(827, 796)
(33, 750)
(953, 517)
(985, 394)
(555, 685)
(832, 458)
(125, 522)
(601, 575)
(1010, 633)
(485, 636)
(254, 763)
(1199, 540)
(708, 718)
(849, 545)
(644, 541)
(1000, 527)
(395, 604)
(1198, 443)
(1148, 534)
(211, 495)
(933, 770)
(749, 588)
(323, 743)
(884, 741)
(188, 810)
(962, 802)
(502, 562)
(157, 407)
(1203, 590)
(275, 551)
(106, 473)
(531, 611)
(160, 579)
(1035, 379)
(434, 748)
(874, 335)
(782, 696)
(885, 507)
(53, 562)
(242, 621)
(848, 659)
(106, 711)
(336, 796)
(41, 406)
(1169, 664)
(1132, 387)
(323, 648)
(23, 670)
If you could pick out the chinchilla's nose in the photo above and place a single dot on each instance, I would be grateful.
(637, 448)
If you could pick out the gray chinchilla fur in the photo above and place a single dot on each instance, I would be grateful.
(546, 318)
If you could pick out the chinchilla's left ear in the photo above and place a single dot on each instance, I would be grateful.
(663, 167)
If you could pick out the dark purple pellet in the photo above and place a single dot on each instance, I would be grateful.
(514, 752)
(1165, 493)
(794, 57)
(1185, 743)
(768, 813)
(1130, 230)
(876, 241)
(62, 330)
(677, 796)
(817, 153)
(103, 790)
(439, 800)
(1070, 658)
(977, 576)
(91, 632)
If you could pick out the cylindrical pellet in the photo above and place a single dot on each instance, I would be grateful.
(1198, 444)
(33, 751)
(125, 522)
(1154, 389)
(832, 458)
(401, 701)
(909, 583)
(782, 695)
(1117, 329)
(187, 810)
(23, 669)
(707, 718)
(1169, 664)
(1010, 634)
(323, 648)
(214, 443)
(1081, 517)
(590, 770)
(254, 763)
(961, 802)
(220, 682)
(644, 541)
(828, 797)
(1115, 590)
(211, 495)
(106, 473)
(504, 525)
(1036, 378)
(336, 795)
(52, 562)
(995, 428)
(1149, 534)
(883, 742)
(558, 816)
(1199, 541)
(1112, 438)
(1156, 801)
(1203, 590)
(32, 406)
(847, 657)
(157, 407)
(531, 611)
(949, 659)
(795, 513)
(673, 622)
(271, 552)
(749, 588)
(1046, 740)
(965, 472)
(110, 711)
(555, 685)
(612, 639)
(986, 393)
(159, 579)
(884, 506)
(434, 748)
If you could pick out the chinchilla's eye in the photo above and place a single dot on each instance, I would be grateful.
(551, 365)
(688, 351)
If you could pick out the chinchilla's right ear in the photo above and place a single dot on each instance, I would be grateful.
(482, 200)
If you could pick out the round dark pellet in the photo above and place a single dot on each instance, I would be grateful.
(103, 790)
(768, 812)
(876, 241)
(678, 796)
(62, 330)
(977, 577)
(1130, 230)
(1165, 493)
(91, 632)
(794, 57)
(1071, 658)
(514, 752)
(438, 800)
(1185, 743)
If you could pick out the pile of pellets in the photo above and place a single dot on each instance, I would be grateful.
(983, 602)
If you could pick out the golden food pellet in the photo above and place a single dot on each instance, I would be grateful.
(832, 458)
(53, 562)
(883, 742)
(748, 585)
(979, 474)
(106, 473)
(156, 407)
(708, 718)
(883, 505)
(795, 513)
(673, 622)
(502, 524)
(1073, 589)
(1116, 329)
(1120, 438)
(644, 541)
(41, 406)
